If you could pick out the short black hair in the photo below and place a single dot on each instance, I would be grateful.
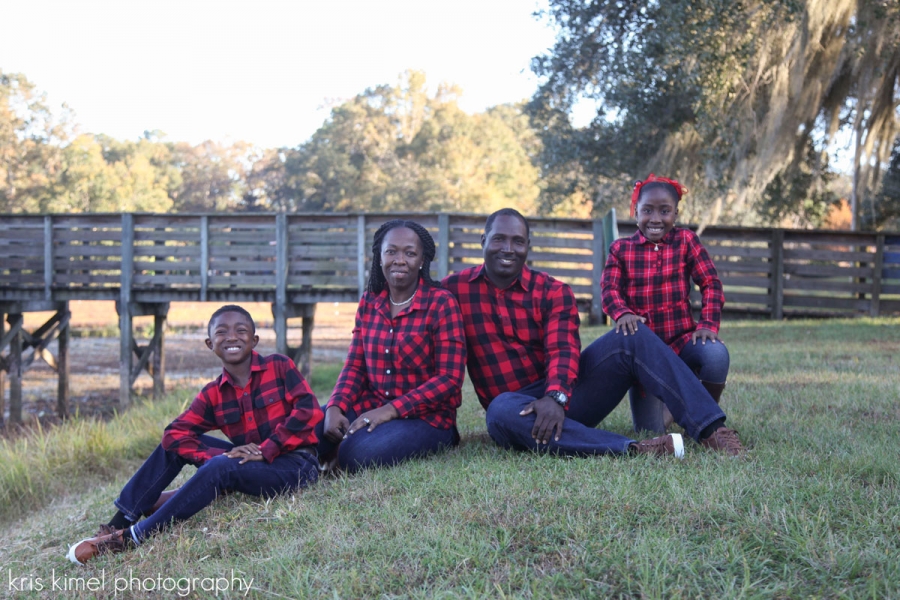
(651, 185)
(227, 309)
(376, 276)
(506, 212)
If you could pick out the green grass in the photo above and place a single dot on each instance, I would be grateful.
(812, 512)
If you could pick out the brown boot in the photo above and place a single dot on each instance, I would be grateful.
(715, 389)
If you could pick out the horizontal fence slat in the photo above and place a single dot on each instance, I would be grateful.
(824, 272)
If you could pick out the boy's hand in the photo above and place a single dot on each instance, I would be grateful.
(703, 335)
(336, 425)
(374, 418)
(629, 323)
(247, 452)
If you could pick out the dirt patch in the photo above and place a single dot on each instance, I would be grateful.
(94, 361)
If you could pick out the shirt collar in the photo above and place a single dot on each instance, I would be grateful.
(382, 300)
(255, 365)
(667, 239)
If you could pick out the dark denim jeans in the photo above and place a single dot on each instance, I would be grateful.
(218, 475)
(608, 368)
(708, 361)
(390, 443)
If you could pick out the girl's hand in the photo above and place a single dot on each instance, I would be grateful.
(629, 323)
(336, 425)
(374, 418)
(703, 335)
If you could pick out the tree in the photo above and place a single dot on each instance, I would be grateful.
(730, 97)
(399, 148)
(30, 139)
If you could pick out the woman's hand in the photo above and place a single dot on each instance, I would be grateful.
(336, 425)
(374, 418)
(629, 323)
(703, 335)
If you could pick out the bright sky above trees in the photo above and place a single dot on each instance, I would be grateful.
(264, 71)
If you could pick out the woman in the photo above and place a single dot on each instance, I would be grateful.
(399, 390)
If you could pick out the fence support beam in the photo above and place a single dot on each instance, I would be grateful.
(777, 273)
(126, 336)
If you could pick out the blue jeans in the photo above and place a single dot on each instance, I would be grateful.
(390, 443)
(708, 361)
(608, 367)
(216, 476)
(511, 430)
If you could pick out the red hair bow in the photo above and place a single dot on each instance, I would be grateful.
(636, 193)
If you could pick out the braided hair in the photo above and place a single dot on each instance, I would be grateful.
(376, 274)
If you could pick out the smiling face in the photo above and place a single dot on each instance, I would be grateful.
(505, 249)
(656, 211)
(232, 338)
(401, 259)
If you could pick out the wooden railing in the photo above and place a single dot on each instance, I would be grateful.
(308, 258)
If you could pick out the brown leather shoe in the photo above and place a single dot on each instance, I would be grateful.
(671, 444)
(85, 550)
(724, 440)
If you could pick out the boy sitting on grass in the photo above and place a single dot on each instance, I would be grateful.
(266, 409)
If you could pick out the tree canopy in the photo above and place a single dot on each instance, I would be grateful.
(743, 101)
(389, 148)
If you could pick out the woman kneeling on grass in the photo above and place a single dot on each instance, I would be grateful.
(267, 411)
(401, 385)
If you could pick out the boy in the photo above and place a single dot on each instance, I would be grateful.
(267, 411)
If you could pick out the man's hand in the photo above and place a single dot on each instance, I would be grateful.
(703, 335)
(336, 425)
(628, 323)
(374, 418)
(247, 453)
(549, 417)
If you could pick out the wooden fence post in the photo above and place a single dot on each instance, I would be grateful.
(16, 322)
(126, 336)
(204, 256)
(443, 249)
(875, 304)
(361, 254)
(48, 258)
(777, 274)
(279, 310)
(599, 248)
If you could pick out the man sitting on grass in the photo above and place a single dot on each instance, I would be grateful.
(266, 409)
(525, 361)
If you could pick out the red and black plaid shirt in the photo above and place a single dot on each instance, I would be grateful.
(416, 361)
(656, 283)
(518, 335)
(278, 411)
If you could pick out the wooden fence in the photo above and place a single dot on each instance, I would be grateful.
(324, 257)
(145, 261)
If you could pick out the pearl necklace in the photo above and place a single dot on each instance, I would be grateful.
(407, 301)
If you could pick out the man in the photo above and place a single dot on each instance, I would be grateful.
(525, 363)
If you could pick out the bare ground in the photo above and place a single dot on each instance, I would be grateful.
(94, 361)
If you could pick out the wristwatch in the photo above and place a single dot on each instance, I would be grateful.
(559, 397)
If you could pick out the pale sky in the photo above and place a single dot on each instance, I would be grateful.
(264, 71)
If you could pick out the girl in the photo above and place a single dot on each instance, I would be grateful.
(647, 279)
